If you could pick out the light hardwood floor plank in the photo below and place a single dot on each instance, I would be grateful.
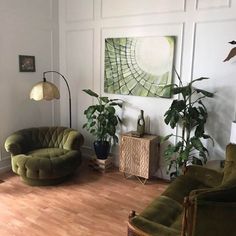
(88, 204)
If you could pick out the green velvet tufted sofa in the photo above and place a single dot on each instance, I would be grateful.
(200, 203)
(44, 155)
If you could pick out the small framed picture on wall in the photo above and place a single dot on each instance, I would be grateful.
(27, 63)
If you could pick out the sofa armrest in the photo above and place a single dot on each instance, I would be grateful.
(220, 194)
(215, 219)
(207, 212)
(74, 141)
(14, 144)
(210, 213)
(140, 226)
(208, 177)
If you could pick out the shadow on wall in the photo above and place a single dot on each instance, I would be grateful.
(221, 114)
(129, 119)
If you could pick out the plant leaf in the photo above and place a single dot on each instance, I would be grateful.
(168, 153)
(183, 156)
(231, 54)
(100, 108)
(105, 99)
(116, 104)
(115, 139)
(206, 136)
(199, 131)
(196, 142)
(179, 105)
(91, 93)
(119, 119)
(204, 92)
(185, 90)
(178, 146)
(90, 111)
(233, 42)
(111, 110)
(163, 139)
(174, 120)
(199, 79)
(200, 102)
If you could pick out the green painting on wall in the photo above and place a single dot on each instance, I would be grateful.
(140, 66)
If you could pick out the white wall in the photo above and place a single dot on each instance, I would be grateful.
(28, 27)
(202, 28)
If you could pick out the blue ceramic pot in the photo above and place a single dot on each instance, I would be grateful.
(102, 149)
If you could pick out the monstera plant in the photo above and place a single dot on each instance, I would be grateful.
(102, 122)
(189, 112)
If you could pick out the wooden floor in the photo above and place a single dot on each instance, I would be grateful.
(89, 204)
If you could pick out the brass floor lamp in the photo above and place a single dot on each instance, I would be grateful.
(45, 90)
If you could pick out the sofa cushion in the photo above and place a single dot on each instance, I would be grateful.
(181, 187)
(162, 210)
(152, 228)
(177, 224)
(46, 163)
(47, 152)
(209, 177)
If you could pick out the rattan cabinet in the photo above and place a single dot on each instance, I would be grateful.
(139, 156)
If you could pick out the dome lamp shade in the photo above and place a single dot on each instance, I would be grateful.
(45, 90)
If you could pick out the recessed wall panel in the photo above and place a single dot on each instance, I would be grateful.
(132, 111)
(79, 67)
(208, 4)
(26, 9)
(78, 10)
(139, 7)
(211, 48)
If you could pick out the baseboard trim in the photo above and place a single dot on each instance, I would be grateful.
(5, 165)
(87, 152)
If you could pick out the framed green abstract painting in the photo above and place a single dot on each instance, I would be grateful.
(139, 66)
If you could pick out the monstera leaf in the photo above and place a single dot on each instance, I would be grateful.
(232, 53)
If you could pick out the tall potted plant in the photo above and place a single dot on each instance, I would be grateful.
(102, 122)
(189, 112)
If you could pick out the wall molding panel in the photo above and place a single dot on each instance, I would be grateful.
(143, 31)
(79, 45)
(212, 4)
(124, 8)
(79, 10)
(222, 76)
(202, 28)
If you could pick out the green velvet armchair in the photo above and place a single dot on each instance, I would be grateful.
(44, 155)
(200, 203)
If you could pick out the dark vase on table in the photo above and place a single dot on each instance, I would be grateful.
(141, 124)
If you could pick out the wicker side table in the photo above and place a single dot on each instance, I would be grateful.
(139, 156)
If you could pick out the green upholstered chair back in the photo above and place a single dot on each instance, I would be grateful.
(43, 137)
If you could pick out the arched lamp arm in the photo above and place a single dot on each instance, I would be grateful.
(53, 71)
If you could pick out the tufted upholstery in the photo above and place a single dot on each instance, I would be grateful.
(44, 155)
